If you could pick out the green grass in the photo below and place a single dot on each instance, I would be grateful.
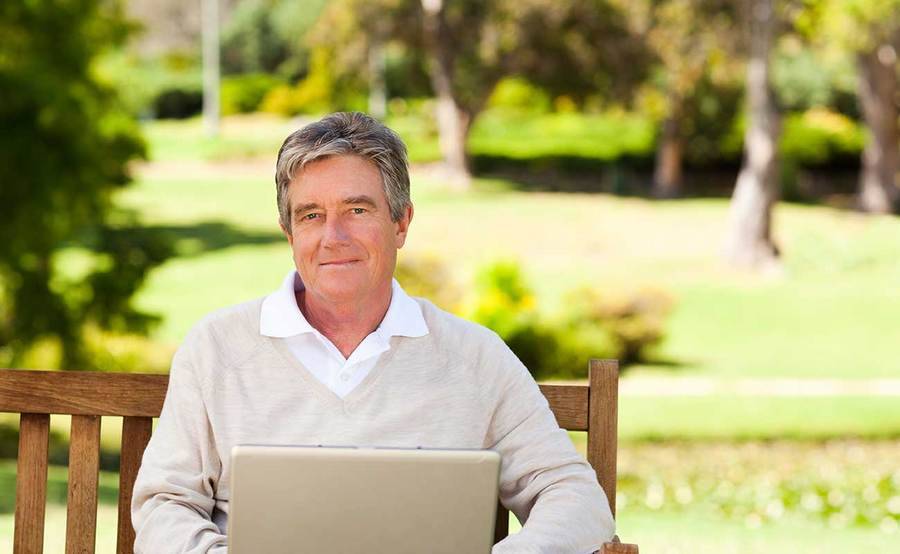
(685, 533)
(745, 417)
(833, 314)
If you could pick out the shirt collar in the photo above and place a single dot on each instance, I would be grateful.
(280, 316)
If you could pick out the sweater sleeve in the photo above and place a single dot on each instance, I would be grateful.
(174, 492)
(544, 481)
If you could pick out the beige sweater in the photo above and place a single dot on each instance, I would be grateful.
(457, 387)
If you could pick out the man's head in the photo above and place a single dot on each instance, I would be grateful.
(343, 202)
(345, 133)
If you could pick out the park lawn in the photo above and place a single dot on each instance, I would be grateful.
(832, 314)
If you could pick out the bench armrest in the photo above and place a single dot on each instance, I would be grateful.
(616, 547)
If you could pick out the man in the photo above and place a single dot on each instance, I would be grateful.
(340, 355)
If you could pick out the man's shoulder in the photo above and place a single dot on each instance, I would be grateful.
(228, 331)
(462, 339)
(447, 326)
(243, 316)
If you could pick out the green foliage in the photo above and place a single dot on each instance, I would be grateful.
(591, 326)
(65, 148)
(842, 484)
(142, 80)
(428, 277)
(177, 103)
(820, 137)
(517, 94)
(804, 78)
(245, 93)
(629, 324)
(314, 94)
(266, 36)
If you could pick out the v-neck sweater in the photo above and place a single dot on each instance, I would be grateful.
(459, 386)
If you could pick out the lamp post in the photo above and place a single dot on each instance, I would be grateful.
(210, 33)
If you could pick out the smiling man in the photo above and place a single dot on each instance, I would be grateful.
(341, 355)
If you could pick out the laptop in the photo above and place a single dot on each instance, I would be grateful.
(343, 500)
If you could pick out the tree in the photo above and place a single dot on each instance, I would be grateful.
(869, 30)
(64, 151)
(577, 47)
(574, 46)
(749, 242)
(693, 44)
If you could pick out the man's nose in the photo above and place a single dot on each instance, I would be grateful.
(335, 232)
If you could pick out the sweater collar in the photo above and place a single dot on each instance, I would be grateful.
(280, 316)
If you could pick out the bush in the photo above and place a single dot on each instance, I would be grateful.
(428, 278)
(820, 137)
(314, 94)
(178, 103)
(517, 94)
(628, 324)
(245, 93)
(624, 327)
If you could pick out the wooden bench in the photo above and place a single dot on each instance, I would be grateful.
(138, 398)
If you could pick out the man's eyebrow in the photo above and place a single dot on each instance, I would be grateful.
(361, 199)
(303, 208)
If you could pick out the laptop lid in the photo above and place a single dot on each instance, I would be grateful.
(296, 499)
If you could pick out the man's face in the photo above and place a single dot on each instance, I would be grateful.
(344, 241)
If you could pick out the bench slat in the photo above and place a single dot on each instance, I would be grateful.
(570, 405)
(31, 483)
(135, 436)
(601, 446)
(84, 464)
(82, 393)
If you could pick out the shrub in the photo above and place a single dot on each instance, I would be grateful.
(506, 304)
(517, 94)
(429, 278)
(624, 326)
(628, 324)
(245, 93)
(178, 103)
(314, 94)
(820, 137)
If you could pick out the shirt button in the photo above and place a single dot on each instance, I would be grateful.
(345, 377)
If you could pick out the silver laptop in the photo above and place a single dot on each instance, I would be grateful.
(337, 500)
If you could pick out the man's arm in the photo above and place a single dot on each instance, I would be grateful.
(174, 492)
(543, 479)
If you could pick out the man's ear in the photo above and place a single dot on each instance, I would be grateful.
(287, 234)
(403, 225)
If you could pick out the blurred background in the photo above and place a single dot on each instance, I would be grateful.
(705, 190)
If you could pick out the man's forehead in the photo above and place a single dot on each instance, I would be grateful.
(343, 179)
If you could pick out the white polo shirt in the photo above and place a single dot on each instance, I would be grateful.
(280, 317)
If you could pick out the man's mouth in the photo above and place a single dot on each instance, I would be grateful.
(339, 263)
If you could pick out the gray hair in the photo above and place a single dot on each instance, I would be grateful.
(345, 133)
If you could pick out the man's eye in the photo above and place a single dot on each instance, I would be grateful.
(359, 210)
(309, 217)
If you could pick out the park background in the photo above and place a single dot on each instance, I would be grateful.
(703, 189)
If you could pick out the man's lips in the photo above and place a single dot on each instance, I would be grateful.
(339, 262)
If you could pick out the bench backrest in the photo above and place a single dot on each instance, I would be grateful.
(138, 398)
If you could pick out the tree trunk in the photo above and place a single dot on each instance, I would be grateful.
(377, 85)
(749, 242)
(211, 109)
(877, 91)
(667, 175)
(454, 121)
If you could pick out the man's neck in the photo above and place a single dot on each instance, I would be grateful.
(345, 325)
